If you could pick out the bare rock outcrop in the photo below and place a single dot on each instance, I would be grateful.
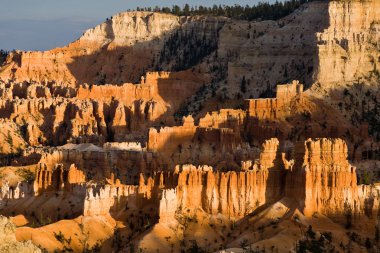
(9, 244)
(275, 108)
(325, 181)
(96, 113)
(138, 26)
(168, 206)
(349, 47)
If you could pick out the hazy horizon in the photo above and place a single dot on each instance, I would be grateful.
(46, 24)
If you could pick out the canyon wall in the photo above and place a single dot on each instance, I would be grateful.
(319, 37)
(94, 162)
(348, 48)
(249, 51)
(314, 177)
(326, 42)
(115, 97)
(271, 52)
(107, 43)
(107, 52)
(320, 179)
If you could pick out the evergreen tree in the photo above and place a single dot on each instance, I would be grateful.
(3, 56)
(261, 11)
(186, 10)
(176, 10)
(243, 85)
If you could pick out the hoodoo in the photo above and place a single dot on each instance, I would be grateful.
(223, 129)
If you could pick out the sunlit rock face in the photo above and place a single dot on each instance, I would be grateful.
(159, 133)
(129, 28)
(9, 242)
(348, 48)
(324, 177)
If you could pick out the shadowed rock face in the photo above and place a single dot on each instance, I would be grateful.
(97, 156)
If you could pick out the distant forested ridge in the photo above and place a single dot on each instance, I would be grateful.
(263, 10)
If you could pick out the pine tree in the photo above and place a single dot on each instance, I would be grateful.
(186, 10)
(243, 86)
(176, 10)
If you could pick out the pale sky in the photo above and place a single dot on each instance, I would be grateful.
(45, 24)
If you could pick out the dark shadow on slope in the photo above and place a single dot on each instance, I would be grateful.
(359, 104)
(286, 51)
(267, 54)
(48, 207)
(309, 117)
(138, 213)
(176, 50)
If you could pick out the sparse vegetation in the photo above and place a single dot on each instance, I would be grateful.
(3, 56)
(195, 248)
(314, 244)
(66, 242)
(9, 139)
(360, 105)
(59, 236)
(94, 249)
(117, 242)
(187, 46)
(244, 243)
(26, 174)
(366, 178)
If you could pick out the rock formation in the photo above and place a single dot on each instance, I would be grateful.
(154, 132)
(105, 55)
(97, 113)
(168, 206)
(8, 239)
(327, 180)
(257, 183)
(348, 48)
